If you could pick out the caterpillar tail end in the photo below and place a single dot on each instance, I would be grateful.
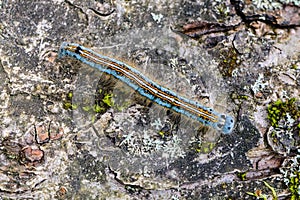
(62, 50)
(228, 125)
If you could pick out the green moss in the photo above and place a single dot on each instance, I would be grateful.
(108, 99)
(122, 105)
(98, 108)
(202, 147)
(230, 61)
(197, 147)
(279, 109)
(104, 101)
(287, 112)
(69, 106)
(239, 97)
(294, 185)
(86, 108)
(70, 95)
(93, 119)
(242, 175)
(294, 66)
(162, 134)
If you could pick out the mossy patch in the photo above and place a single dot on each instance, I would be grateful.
(291, 174)
(103, 101)
(230, 61)
(294, 185)
(202, 147)
(279, 110)
(283, 116)
(242, 176)
(67, 103)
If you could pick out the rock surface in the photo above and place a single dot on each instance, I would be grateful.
(70, 132)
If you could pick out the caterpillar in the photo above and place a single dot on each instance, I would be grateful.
(148, 88)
